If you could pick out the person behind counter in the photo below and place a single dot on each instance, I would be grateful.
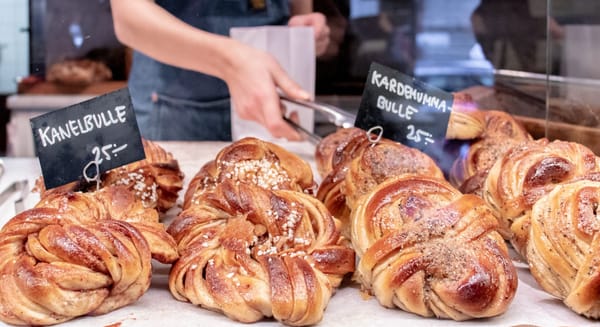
(185, 70)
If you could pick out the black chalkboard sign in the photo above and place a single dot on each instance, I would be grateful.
(408, 111)
(86, 139)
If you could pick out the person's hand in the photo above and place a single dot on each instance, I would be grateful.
(319, 23)
(253, 79)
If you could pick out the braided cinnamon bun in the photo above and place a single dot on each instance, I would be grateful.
(501, 133)
(383, 160)
(428, 249)
(332, 145)
(564, 245)
(466, 122)
(250, 253)
(155, 181)
(78, 254)
(366, 166)
(527, 172)
(253, 161)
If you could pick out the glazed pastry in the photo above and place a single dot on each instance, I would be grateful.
(339, 148)
(428, 249)
(250, 253)
(78, 254)
(381, 161)
(527, 172)
(251, 160)
(332, 143)
(501, 133)
(350, 143)
(369, 164)
(464, 125)
(564, 245)
(156, 180)
(466, 121)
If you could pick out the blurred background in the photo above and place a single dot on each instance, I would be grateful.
(54, 53)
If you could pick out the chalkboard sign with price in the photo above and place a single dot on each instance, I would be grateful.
(86, 139)
(408, 111)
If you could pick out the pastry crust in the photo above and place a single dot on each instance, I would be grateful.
(78, 254)
(251, 253)
(527, 172)
(501, 132)
(564, 245)
(428, 249)
(253, 161)
(359, 165)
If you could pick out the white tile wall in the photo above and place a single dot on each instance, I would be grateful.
(14, 44)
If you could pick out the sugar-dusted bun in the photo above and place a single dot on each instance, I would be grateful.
(78, 254)
(428, 249)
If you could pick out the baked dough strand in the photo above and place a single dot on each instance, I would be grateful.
(77, 254)
(252, 253)
(564, 245)
(430, 250)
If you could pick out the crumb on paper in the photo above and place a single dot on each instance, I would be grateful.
(365, 294)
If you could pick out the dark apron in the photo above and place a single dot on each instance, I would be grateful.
(177, 104)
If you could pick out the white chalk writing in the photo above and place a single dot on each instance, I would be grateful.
(51, 135)
(407, 91)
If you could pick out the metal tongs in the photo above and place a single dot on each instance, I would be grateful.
(337, 116)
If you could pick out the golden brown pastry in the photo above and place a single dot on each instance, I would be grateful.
(334, 161)
(250, 253)
(339, 148)
(332, 144)
(564, 245)
(464, 125)
(466, 121)
(79, 72)
(368, 164)
(336, 148)
(155, 181)
(251, 160)
(381, 161)
(78, 254)
(428, 249)
(527, 172)
(501, 133)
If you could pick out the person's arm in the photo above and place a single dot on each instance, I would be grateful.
(251, 75)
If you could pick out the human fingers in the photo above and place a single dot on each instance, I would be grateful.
(321, 30)
(279, 128)
(322, 41)
(287, 84)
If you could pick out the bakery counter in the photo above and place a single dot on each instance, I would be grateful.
(348, 307)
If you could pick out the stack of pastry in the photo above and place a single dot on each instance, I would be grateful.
(499, 133)
(253, 243)
(77, 254)
(544, 196)
(423, 246)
